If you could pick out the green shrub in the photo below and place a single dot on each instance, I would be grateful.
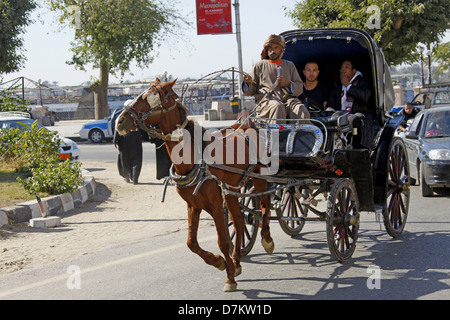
(26, 149)
(53, 177)
(9, 101)
(35, 153)
(9, 145)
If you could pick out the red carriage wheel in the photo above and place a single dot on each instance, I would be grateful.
(342, 219)
(291, 207)
(395, 210)
(250, 207)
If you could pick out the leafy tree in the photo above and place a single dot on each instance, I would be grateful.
(441, 53)
(111, 34)
(14, 17)
(9, 101)
(398, 26)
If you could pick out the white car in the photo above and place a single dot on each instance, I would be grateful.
(98, 130)
(9, 120)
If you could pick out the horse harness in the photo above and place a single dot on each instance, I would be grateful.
(200, 172)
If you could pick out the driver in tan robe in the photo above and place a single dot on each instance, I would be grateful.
(275, 83)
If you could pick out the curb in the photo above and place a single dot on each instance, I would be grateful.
(53, 205)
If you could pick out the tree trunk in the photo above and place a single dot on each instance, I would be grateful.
(100, 89)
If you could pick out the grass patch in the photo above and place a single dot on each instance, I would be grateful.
(11, 192)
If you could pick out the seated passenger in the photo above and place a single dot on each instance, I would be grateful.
(410, 113)
(352, 93)
(315, 94)
(439, 129)
(275, 84)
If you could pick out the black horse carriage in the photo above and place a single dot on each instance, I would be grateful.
(317, 158)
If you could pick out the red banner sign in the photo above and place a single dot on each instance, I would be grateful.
(214, 16)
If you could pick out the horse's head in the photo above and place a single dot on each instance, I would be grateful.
(149, 108)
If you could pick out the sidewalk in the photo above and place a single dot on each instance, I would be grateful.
(53, 205)
(69, 128)
(117, 213)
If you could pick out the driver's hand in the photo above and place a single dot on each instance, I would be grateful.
(283, 82)
(248, 79)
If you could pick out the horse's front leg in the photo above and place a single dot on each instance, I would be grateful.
(238, 222)
(192, 242)
(218, 215)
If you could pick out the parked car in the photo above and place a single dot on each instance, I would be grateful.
(429, 98)
(99, 130)
(428, 146)
(432, 98)
(68, 149)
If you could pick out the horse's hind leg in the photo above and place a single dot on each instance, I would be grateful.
(238, 222)
(266, 241)
(192, 242)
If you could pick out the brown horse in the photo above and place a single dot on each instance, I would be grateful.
(158, 106)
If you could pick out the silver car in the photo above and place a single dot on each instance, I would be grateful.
(428, 146)
(68, 149)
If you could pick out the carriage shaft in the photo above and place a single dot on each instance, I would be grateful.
(298, 218)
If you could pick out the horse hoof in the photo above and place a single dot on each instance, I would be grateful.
(237, 271)
(223, 265)
(230, 287)
(268, 246)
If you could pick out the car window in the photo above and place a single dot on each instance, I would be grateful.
(442, 97)
(437, 124)
(423, 98)
(416, 125)
(16, 124)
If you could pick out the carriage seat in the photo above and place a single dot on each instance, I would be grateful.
(308, 140)
(332, 120)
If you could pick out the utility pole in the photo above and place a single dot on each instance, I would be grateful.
(238, 38)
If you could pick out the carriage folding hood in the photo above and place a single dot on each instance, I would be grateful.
(329, 48)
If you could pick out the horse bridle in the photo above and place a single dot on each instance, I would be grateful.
(162, 104)
(136, 116)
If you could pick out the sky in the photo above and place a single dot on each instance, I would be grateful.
(47, 46)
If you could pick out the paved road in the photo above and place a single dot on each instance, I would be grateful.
(415, 266)
(106, 151)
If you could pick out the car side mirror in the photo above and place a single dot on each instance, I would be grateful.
(411, 135)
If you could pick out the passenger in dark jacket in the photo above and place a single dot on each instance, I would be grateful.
(353, 94)
(409, 112)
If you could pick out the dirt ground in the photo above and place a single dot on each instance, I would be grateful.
(119, 213)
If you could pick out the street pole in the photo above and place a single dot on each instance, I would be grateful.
(429, 63)
(238, 38)
(421, 65)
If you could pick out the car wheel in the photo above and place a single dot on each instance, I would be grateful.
(427, 191)
(96, 136)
